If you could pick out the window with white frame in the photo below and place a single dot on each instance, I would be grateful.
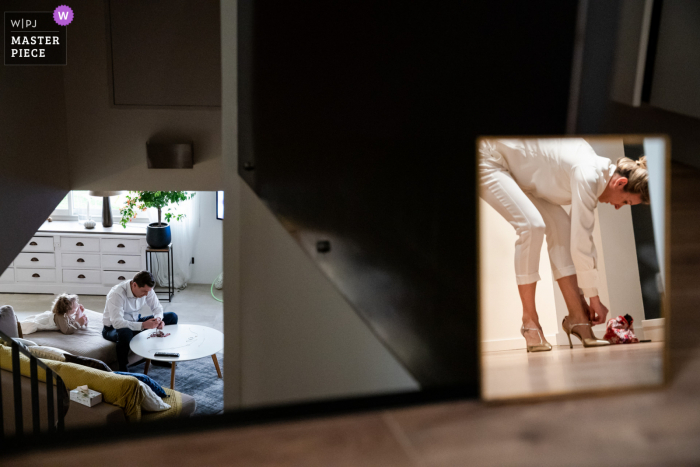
(75, 206)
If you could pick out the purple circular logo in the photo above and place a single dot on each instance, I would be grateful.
(63, 15)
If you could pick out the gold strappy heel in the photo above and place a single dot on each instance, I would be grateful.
(543, 346)
(588, 341)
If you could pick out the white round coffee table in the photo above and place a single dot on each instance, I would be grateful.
(191, 341)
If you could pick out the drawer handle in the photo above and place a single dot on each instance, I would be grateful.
(35, 275)
(80, 276)
(79, 244)
(121, 245)
(35, 259)
(81, 260)
(121, 261)
(33, 243)
(121, 278)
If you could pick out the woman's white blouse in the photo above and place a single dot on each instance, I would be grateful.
(562, 171)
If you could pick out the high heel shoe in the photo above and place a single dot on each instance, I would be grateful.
(586, 341)
(543, 346)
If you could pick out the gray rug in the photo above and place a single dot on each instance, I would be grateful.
(196, 378)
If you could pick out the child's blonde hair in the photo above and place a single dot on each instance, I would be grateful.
(64, 304)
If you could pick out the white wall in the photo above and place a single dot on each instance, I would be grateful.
(501, 309)
(208, 248)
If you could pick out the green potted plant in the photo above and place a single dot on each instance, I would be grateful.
(158, 233)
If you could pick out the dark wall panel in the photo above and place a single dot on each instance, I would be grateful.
(598, 113)
(358, 123)
(674, 86)
(166, 52)
(34, 175)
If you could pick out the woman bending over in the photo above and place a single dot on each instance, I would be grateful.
(527, 181)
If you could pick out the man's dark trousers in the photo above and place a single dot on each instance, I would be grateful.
(123, 337)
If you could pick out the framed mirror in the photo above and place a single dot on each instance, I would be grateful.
(574, 266)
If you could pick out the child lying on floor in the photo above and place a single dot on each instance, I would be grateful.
(69, 314)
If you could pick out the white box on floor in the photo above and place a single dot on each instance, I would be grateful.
(89, 398)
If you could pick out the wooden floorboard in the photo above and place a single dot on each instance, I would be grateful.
(650, 428)
(512, 374)
(363, 440)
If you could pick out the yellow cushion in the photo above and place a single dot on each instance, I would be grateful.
(6, 363)
(119, 390)
(175, 402)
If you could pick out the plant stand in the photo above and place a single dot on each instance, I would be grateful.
(170, 290)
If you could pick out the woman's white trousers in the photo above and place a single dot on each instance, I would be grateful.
(533, 219)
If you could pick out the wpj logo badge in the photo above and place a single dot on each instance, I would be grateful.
(37, 37)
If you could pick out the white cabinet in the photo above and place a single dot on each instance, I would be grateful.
(121, 262)
(80, 244)
(39, 244)
(35, 260)
(8, 275)
(74, 261)
(79, 260)
(115, 277)
(121, 246)
(82, 276)
(35, 275)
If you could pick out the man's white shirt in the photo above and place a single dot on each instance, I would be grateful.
(122, 308)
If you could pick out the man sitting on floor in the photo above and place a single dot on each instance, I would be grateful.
(122, 319)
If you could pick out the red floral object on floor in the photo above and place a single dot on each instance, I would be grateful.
(620, 331)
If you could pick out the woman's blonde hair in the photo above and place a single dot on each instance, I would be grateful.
(637, 176)
(64, 303)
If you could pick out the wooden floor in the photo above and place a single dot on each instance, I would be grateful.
(649, 428)
(518, 374)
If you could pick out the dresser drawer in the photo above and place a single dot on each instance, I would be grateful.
(121, 262)
(78, 260)
(81, 276)
(8, 275)
(39, 244)
(121, 246)
(35, 275)
(115, 277)
(80, 244)
(35, 260)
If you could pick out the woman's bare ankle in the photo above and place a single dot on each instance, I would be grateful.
(532, 331)
(577, 318)
(532, 322)
(582, 331)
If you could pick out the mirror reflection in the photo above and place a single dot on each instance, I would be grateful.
(572, 268)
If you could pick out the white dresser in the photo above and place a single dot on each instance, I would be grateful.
(65, 257)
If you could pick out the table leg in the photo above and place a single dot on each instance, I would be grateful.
(216, 364)
(172, 375)
(147, 366)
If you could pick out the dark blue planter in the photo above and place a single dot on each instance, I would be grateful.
(158, 236)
